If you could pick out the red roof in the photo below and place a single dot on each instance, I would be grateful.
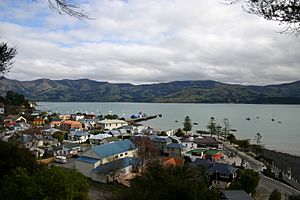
(171, 161)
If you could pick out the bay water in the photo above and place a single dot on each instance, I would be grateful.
(281, 134)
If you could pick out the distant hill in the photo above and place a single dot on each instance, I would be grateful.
(85, 90)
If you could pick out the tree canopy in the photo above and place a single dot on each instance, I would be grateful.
(247, 179)
(161, 182)
(187, 124)
(275, 195)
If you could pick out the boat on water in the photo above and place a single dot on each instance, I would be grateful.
(248, 118)
(195, 123)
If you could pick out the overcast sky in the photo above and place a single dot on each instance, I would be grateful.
(148, 41)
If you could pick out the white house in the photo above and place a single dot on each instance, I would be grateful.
(80, 136)
(103, 163)
(110, 124)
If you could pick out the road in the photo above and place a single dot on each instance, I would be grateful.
(266, 184)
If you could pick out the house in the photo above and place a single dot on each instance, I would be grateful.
(15, 118)
(80, 136)
(189, 143)
(55, 124)
(208, 142)
(103, 163)
(174, 150)
(69, 124)
(110, 124)
(160, 142)
(97, 139)
(65, 149)
(89, 123)
(38, 122)
(221, 175)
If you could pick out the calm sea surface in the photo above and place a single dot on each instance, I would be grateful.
(283, 134)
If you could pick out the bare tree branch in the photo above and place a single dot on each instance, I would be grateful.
(68, 7)
(286, 12)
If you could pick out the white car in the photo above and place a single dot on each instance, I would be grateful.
(60, 159)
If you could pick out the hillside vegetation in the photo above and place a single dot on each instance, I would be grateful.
(86, 90)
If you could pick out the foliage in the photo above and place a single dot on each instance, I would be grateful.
(45, 183)
(211, 126)
(258, 138)
(14, 99)
(163, 133)
(7, 55)
(20, 185)
(227, 127)
(231, 138)
(275, 195)
(187, 124)
(247, 179)
(59, 135)
(218, 130)
(109, 116)
(243, 144)
(161, 182)
(181, 91)
(12, 156)
(179, 133)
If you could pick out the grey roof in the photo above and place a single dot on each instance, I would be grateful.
(163, 139)
(114, 132)
(221, 168)
(79, 133)
(236, 195)
(202, 162)
(174, 146)
(115, 165)
(111, 149)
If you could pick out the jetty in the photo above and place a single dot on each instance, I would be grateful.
(140, 119)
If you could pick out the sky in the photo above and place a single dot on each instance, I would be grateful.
(148, 41)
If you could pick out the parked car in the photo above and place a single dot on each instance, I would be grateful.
(60, 159)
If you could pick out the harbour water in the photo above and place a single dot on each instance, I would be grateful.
(282, 133)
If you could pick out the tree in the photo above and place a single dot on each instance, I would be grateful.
(59, 135)
(169, 182)
(247, 179)
(179, 133)
(231, 138)
(286, 12)
(275, 195)
(294, 197)
(7, 54)
(218, 130)
(146, 150)
(211, 126)
(243, 144)
(12, 156)
(258, 138)
(227, 127)
(187, 124)
(44, 183)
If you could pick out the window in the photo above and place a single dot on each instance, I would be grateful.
(116, 156)
(126, 154)
(121, 155)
